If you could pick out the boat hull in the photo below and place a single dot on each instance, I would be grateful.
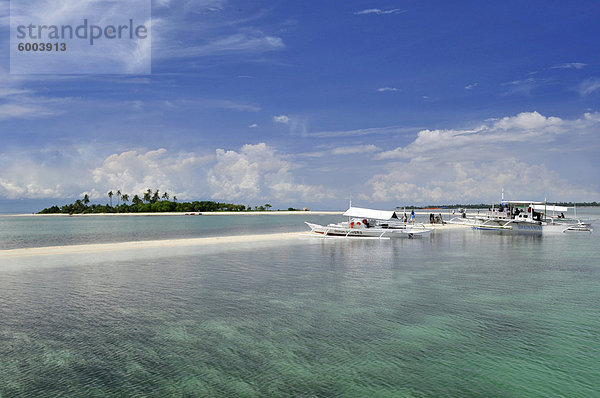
(341, 231)
(524, 227)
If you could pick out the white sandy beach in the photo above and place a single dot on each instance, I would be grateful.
(205, 213)
(145, 244)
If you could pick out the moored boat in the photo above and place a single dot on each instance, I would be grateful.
(371, 224)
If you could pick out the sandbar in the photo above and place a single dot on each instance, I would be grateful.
(144, 244)
(171, 243)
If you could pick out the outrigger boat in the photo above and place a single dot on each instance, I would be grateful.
(525, 217)
(371, 223)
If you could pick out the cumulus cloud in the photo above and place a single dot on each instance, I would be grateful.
(255, 172)
(384, 89)
(40, 174)
(67, 173)
(258, 172)
(135, 171)
(466, 181)
(523, 127)
(519, 153)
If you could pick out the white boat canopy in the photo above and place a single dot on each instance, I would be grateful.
(359, 212)
(522, 202)
(550, 208)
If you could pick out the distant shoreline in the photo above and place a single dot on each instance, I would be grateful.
(203, 213)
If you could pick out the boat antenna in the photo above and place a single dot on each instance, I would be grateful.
(545, 201)
(502, 194)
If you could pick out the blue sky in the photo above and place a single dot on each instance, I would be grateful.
(308, 103)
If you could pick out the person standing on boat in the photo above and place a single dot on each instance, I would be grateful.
(412, 216)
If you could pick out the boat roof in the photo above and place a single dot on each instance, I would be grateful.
(550, 208)
(370, 213)
(522, 202)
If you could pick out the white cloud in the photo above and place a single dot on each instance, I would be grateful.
(360, 132)
(281, 119)
(258, 172)
(106, 56)
(135, 171)
(521, 153)
(349, 150)
(254, 173)
(253, 125)
(11, 111)
(20, 102)
(522, 86)
(384, 89)
(521, 128)
(589, 86)
(471, 86)
(570, 65)
(39, 175)
(238, 43)
(466, 181)
(378, 11)
(243, 43)
(8, 92)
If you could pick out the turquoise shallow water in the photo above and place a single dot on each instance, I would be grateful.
(26, 231)
(460, 314)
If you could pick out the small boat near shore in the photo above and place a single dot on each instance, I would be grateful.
(369, 223)
(525, 216)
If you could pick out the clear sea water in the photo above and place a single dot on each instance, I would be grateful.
(461, 313)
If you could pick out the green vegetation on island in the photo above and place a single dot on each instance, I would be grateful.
(149, 202)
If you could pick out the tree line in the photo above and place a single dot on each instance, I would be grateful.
(149, 202)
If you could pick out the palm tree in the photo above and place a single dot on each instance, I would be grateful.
(165, 196)
(125, 198)
(86, 199)
(156, 196)
(148, 195)
(174, 198)
(110, 195)
(118, 197)
(136, 200)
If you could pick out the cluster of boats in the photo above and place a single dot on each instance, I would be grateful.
(514, 216)
(526, 217)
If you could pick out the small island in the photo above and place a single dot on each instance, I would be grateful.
(150, 202)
